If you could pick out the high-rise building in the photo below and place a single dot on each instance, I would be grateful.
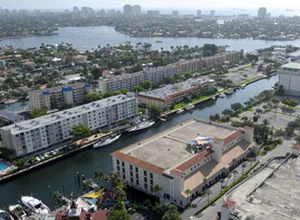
(136, 10)
(47, 131)
(262, 12)
(199, 13)
(56, 97)
(127, 9)
(175, 13)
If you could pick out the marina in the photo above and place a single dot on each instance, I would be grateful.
(64, 170)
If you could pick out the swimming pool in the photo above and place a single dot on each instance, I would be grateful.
(3, 167)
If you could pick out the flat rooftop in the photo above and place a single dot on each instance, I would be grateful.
(293, 66)
(165, 92)
(167, 149)
(278, 198)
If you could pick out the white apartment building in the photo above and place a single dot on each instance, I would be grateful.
(130, 81)
(289, 78)
(180, 158)
(32, 135)
(56, 97)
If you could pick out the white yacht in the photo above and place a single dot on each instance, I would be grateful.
(190, 107)
(106, 141)
(180, 111)
(18, 211)
(141, 125)
(4, 215)
(35, 205)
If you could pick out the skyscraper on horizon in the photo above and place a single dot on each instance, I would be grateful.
(262, 12)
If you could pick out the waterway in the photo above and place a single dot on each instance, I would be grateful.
(61, 175)
(88, 38)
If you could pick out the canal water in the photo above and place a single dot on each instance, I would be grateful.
(61, 175)
(88, 38)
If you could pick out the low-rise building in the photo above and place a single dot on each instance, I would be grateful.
(56, 97)
(169, 95)
(289, 78)
(47, 131)
(180, 158)
(130, 81)
(9, 116)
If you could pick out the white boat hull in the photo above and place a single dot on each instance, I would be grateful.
(142, 126)
(35, 205)
(106, 142)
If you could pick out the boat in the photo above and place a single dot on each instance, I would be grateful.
(222, 95)
(35, 205)
(190, 107)
(243, 86)
(5, 215)
(158, 41)
(10, 101)
(106, 141)
(180, 111)
(142, 125)
(17, 211)
(229, 92)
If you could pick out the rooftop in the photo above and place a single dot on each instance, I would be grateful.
(10, 115)
(291, 66)
(168, 91)
(58, 116)
(277, 199)
(167, 150)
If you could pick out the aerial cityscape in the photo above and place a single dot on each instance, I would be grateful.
(149, 110)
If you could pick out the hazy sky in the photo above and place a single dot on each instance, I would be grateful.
(194, 4)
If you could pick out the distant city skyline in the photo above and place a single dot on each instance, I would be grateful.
(145, 4)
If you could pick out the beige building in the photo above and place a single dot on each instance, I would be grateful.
(172, 94)
(56, 97)
(180, 158)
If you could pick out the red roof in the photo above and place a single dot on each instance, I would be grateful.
(137, 162)
(232, 137)
(191, 162)
(229, 203)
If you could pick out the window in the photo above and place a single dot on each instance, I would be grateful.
(123, 164)
(146, 186)
(118, 162)
(137, 175)
(151, 175)
(145, 179)
(151, 182)
(145, 173)
(130, 167)
(136, 169)
(137, 182)
(124, 176)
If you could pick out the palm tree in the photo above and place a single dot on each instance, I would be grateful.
(221, 181)
(187, 192)
(243, 167)
(98, 175)
(235, 172)
(207, 193)
(156, 189)
(204, 182)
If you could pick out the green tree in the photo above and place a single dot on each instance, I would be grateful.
(209, 50)
(147, 84)
(38, 112)
(156, 189)
(98, 175)
(116, 214)
(235, 172)
(94, 96)
(81, 131)
(155, 111)
(171, 213)
(236, 106)
(187, 192)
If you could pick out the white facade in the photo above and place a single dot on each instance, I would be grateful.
(129, 81)
(289, 78)
(35, 134)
